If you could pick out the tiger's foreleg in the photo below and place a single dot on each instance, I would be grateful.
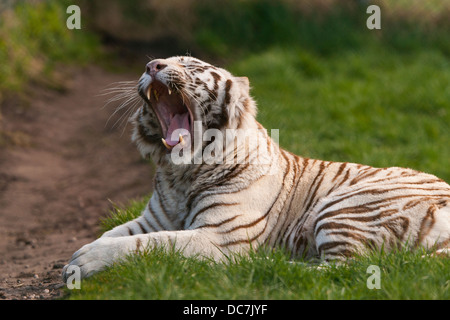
(106, 251)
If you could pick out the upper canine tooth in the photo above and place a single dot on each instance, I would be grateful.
(149, 90)
(155, 93)
(181, 140)
(170, 92)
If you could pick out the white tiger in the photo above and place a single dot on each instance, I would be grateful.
(313, 208)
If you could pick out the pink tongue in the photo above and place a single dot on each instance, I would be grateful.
(179, 121)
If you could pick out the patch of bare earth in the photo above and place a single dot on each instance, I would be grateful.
(56, 186)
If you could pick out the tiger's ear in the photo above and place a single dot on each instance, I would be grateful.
(243, 83)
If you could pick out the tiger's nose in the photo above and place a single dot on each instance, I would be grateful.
(153, 67)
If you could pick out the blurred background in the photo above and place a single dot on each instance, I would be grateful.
(338, 89)
(335, 89)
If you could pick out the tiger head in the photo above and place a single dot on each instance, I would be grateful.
(179, 92)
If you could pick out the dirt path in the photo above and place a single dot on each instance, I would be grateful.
(53, 192)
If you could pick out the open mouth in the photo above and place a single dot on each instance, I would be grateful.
(174, 115)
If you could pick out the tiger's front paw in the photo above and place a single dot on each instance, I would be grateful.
(96, 256)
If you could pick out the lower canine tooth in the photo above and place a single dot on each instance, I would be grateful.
(165, 144)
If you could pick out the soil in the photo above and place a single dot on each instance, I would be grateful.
(58, 180)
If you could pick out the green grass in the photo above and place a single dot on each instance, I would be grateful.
(231, 29)
(336, 90)
(265, 274)
(119, 214)
(37, 49)
(368, 106)
(34, 40)
(160, 274)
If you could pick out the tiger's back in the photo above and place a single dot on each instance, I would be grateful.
(339, 209)
(320, 208)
